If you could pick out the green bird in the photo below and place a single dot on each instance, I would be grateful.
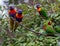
(49, 28)
(42, 12)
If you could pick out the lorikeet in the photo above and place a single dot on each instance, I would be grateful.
(18, 18)
(12, 13)
(49, 28)
(48, 23)
(41, 11)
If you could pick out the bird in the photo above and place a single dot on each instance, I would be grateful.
(42, 12)
(18, 18)
(48, 28)
(12, 14)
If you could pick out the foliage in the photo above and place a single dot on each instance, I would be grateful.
(32, 20)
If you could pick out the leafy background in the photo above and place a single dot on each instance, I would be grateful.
(23, 37)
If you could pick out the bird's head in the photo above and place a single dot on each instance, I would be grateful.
(19, 11)
(11, 8)
(38, 7)
(49, 23)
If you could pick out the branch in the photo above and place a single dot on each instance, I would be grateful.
(38, 33)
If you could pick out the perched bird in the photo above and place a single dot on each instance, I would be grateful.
(42, 12)
(12, 14)
(18, 18)
(47, 23)
(49, 28)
